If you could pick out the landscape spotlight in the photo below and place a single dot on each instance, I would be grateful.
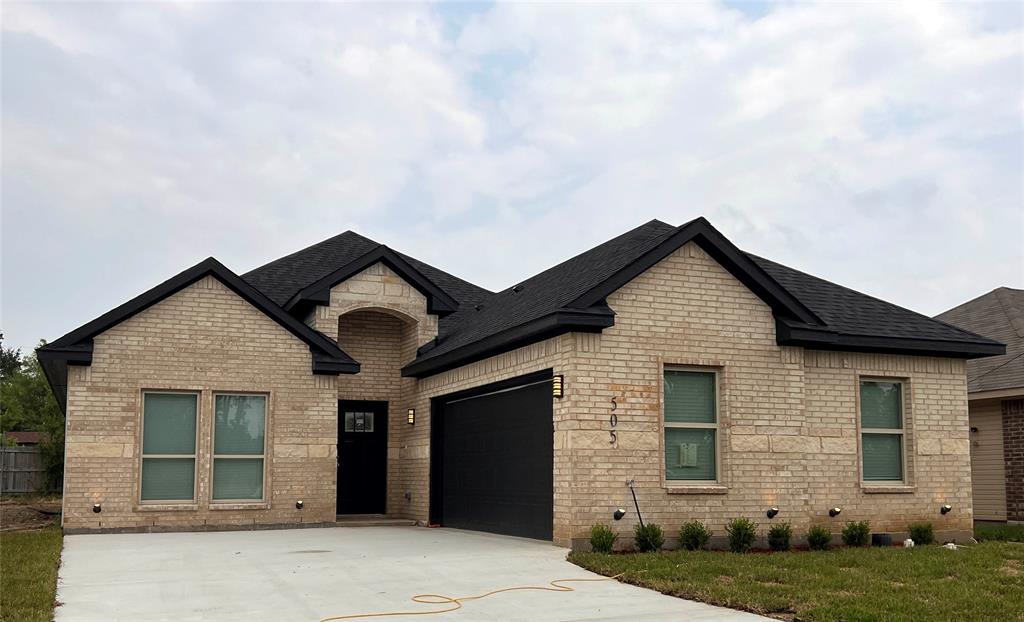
(834, 512)
(772, 512)
(946, 509)
(619, 513)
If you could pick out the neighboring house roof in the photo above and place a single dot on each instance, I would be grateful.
(997, 315)
(24, 438)
(75, 348)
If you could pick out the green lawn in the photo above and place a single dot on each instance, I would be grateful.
(1004, 532)
(28, 574)
(983, 582)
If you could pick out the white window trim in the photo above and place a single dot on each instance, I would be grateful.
(861, 431)
(716, 426)
(194, 455)
(262, 456)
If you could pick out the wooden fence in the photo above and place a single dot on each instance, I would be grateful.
(21, 470)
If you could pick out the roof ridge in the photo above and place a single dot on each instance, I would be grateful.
(593, 248)
(991, 292)
(310, 247)
(1016, 324)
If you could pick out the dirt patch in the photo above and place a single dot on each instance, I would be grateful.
(771, 583)
(725, 579)
(1011, 568)
(19, 515)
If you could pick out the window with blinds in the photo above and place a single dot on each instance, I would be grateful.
(239, 446)
(691, 426)
(881, 426)
(168, 446)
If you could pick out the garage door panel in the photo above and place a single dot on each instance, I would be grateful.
(497, 462)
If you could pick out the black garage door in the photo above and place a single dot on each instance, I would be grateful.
(492, 458)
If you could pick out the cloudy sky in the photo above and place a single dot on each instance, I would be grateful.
(879, 146)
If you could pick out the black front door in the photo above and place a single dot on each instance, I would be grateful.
(362, 457)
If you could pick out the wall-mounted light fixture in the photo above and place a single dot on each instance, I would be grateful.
(298, 504)
(619, 513)
(97, 508)
(410, 416)
(557, 386)
(946, 509)
(772, 512)
(834, 512)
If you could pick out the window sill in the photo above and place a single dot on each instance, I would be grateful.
(706, 489)
(887, 489)
(167, 507)
(255, 505)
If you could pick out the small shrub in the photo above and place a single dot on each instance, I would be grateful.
(602, 538)
(742, 533)
(779, 535)
(818, 538)
(648, 537)
(694, 536)
(922, 533)
(857, 534)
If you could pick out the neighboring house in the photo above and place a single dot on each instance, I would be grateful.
(359, 380)
(995, 388)
(22, 439)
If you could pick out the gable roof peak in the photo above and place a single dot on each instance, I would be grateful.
(76, 347)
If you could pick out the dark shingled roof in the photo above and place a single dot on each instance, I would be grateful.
(997, 315)
(811, 311)
(853, 313)
(282, 278)
(548, 291)
(844, 315)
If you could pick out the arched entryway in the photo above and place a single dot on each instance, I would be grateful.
(371, 407)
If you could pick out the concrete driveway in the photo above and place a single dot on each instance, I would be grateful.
(303, 575)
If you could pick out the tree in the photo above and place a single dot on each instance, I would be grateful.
(10, 359)
(26, 403)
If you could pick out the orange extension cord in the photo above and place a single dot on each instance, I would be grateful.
(440, 599)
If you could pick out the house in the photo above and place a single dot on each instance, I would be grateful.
(995, 390)
(22, 439)
(348, 378)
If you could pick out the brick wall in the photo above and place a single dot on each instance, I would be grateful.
(936, 441)
(788, 417)
(382, 344)
(204, 339)
(1013, 450)
(380, 320)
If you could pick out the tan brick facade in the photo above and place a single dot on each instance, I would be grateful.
(788, 422)
(202, 339)
(380, 320)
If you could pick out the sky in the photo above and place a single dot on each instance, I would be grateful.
(880, 146)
